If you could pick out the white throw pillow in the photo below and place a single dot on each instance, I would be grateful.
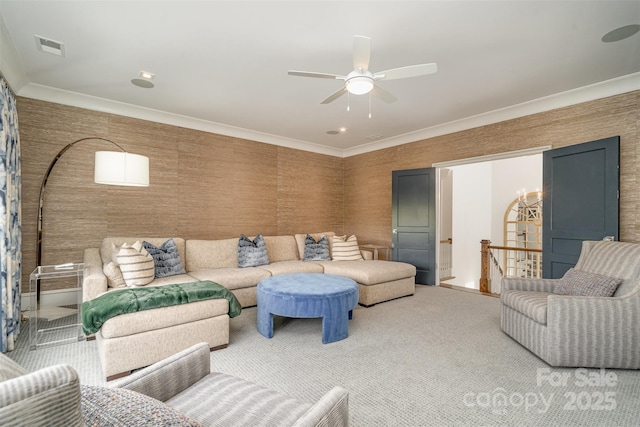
(114, 275)
(136, 264)
(113, 254)
(345, 249)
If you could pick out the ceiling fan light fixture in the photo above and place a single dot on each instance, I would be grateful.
(359, 85)
(361, 81)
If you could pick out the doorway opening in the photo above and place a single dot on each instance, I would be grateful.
(474, 195)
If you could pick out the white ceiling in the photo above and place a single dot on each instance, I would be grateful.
(221, 66)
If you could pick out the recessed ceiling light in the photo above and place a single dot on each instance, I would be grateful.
(343, 129)
(621, 33)
(146, 84)
(147, 75)
(145, 81)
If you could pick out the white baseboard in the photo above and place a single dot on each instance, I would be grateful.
(56, 297)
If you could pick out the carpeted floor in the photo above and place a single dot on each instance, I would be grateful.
(437, 358)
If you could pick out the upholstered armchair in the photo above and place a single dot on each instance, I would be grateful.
(562, 323)
(177, 391)
(48, 397)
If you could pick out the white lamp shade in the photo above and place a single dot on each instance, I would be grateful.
(121, 168)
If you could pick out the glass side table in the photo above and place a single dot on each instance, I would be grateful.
(53, 322)
(377, 248)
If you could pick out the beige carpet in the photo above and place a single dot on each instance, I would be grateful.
(434, 359)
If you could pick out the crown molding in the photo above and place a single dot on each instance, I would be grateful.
(617, 86)
(604, 89)
(74, 99)
(493, 157)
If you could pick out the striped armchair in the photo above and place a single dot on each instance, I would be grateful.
(184, 382)
(580, 331)
(48, 397)
(178, 391)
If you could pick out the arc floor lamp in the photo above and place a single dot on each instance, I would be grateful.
(110, 168)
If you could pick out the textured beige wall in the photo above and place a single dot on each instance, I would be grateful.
(202, 185)
(368, 176)
(211, 186)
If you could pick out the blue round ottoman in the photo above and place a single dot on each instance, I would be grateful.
(308, 295)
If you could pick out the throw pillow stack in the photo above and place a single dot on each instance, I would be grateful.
(165, 258)
(138, 264)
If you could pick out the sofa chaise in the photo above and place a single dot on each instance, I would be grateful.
(179, 390)
(135, 340)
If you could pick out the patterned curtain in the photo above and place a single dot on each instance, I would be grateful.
(10, 219)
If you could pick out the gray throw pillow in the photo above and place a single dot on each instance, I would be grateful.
(581, 283)
(252, 253)
(316, 250)
(102, 406)
(166, 259)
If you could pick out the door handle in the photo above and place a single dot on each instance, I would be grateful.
(395, 231)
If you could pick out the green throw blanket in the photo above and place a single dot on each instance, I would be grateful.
(99, 310)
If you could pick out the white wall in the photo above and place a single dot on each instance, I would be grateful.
(446, 207)
(510, 176)
(471, 220)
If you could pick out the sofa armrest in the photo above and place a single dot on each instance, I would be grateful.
(49, 396)
(170, 376)
(528, 284)
(593, 331)
(94, 282)
(331, 410)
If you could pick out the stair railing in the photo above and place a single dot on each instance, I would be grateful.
(506, 261)
(445, 258)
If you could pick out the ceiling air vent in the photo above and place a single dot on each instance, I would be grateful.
(373, 137)
(47, 45)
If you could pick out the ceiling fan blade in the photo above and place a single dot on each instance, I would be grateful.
(335, 95)
(406, 72)
(384, 95)
(361, 53)
(317, 75)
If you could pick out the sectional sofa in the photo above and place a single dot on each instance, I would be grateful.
(134, 340)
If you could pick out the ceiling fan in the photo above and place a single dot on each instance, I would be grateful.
(361, 81)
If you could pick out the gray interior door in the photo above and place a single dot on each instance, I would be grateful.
(580, 200)
(414, 221)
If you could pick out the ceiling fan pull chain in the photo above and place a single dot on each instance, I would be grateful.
(348, 101)
(369, 104)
